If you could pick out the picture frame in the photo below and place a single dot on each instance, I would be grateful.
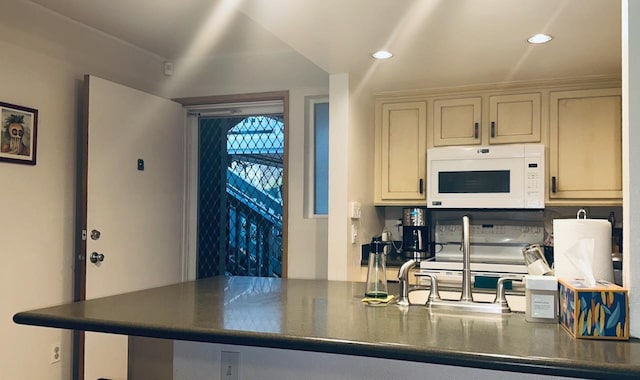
(18, 134)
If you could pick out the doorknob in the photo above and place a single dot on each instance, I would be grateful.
(95, 257)
(95, 234)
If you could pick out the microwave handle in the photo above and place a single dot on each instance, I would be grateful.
(553, 184)
(421, 185)
(476, 128)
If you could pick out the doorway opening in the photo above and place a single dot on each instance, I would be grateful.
(240, 199)
(237, 181)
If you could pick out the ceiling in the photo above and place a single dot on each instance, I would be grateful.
(437, 43)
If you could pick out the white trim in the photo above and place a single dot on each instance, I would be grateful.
(630, 157)
(237, 109)
(309, 156)
(193, 115)
(190, 255)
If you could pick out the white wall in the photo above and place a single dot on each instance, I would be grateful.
(275, 71)
(43, 58)
(361, 172)
(200, 361)
(38, 213)
(85, 50)
(339, 145)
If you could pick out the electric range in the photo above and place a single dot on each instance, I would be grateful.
(496, 249)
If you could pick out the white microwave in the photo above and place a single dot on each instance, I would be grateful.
(500, 176)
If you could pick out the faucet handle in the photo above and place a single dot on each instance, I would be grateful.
(434, 294)
(501, 297)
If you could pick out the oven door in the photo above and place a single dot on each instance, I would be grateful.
(476, 183)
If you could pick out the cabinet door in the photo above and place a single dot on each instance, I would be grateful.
(403, 151)
(514, 119)
(457, 121)
(585, 147)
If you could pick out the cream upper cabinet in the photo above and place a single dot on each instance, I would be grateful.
(457, 121)
(511, 119)
(401, 146)
(585, 146)
(514, 118)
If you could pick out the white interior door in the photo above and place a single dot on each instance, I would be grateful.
(134, 202)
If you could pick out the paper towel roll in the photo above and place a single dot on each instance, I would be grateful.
(581, 245)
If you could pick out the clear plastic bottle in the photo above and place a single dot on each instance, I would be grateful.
(377, 271)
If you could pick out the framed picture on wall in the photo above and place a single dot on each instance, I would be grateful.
(18, 127)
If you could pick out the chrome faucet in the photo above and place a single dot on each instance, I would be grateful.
(466, 302)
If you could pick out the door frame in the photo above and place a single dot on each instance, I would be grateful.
(191, 170)
(80, 253)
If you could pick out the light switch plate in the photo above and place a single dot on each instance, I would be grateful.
(355, 210)
(229, 365)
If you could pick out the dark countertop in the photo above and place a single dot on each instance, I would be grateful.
(328, 316)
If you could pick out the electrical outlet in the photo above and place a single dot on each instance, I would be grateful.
(229, 365)
(55, 353)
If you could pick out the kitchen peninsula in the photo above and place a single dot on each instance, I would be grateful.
(328, 317)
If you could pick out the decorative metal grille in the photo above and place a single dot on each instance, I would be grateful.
(240, 196)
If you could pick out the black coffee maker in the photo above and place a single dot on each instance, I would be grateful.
(415, 233)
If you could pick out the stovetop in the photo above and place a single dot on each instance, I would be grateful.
(495, 246)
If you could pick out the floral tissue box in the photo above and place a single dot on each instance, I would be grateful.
(598, 312)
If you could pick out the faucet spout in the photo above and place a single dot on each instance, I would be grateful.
(403, 279)
(466, 295)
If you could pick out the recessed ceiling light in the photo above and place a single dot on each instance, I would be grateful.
(539, 38)
(382, 54)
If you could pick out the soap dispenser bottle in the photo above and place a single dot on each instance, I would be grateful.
(377, 270)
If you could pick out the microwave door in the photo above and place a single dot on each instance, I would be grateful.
(488, 183)
(474, 182)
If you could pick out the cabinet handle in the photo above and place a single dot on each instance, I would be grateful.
(493, 129)
(421, 186)
(476, 128)
(553, 184)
